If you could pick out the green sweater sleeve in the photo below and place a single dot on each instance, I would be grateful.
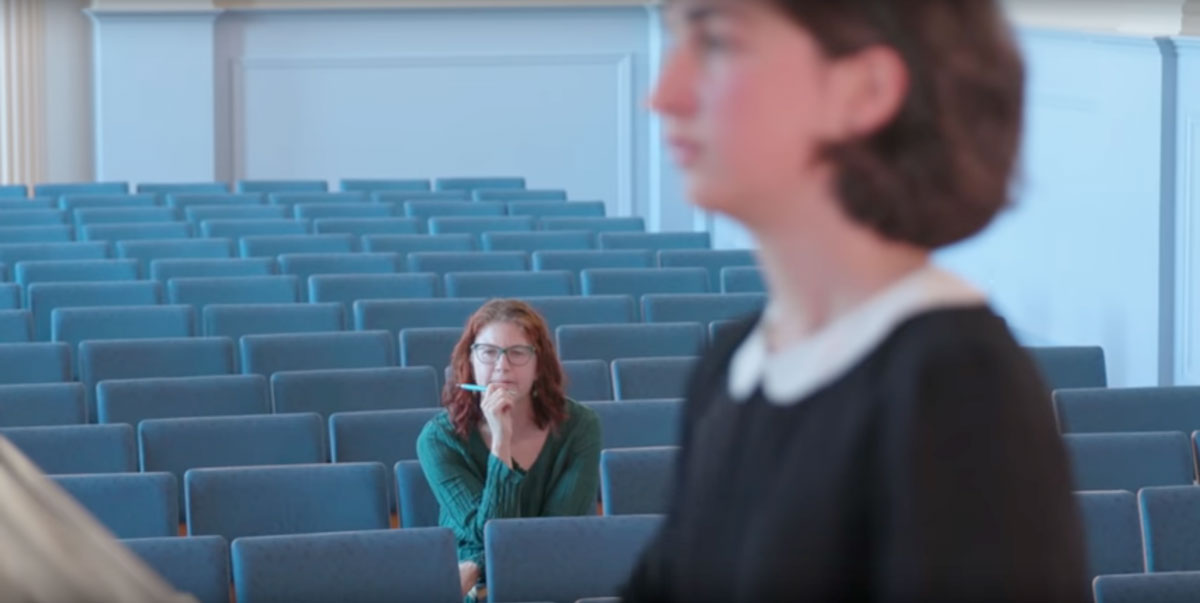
(576, 489)
(467, 499)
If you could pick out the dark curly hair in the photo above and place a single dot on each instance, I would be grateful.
(941, 170)
(549, 399)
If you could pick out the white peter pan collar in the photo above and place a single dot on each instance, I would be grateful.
(799, 370)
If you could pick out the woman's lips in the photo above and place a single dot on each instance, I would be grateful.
(685, 151)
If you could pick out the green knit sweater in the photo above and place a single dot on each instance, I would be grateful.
(472, 486)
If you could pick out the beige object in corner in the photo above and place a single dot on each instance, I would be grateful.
(52, 550)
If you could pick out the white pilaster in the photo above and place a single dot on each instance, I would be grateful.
(22, 115)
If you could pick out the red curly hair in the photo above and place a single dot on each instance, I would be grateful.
(549, 399)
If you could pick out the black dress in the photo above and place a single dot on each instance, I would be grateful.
(930, 470)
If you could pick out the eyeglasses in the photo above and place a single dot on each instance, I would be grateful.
(518, 355)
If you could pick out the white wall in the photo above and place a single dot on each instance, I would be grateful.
(68, 77)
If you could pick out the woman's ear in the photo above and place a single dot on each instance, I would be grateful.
(873, 85)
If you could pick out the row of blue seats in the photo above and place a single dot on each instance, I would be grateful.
(470, 184)
(559, 560)
(321, 391)
(241, 228)
(180, 200)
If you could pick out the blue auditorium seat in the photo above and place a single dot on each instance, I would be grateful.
(656, 241)
(479, 182)
(146, 251)
(402, 196)
(587, 380)
(467, 261)
(44, 298)
(236, 229)
(202, 291)
(134, 400)
(16, 326)
(609, 342)
(273, 245)
(371, 185)
(381, 436)
(182, 201)
(33, 217)
(425, 210)
(196, 565)
(294, 198)
(42, 405)
(236, 320)
(123, 215)
(80, 188)
(165, 270)
(637, 282)
(281, 186)
(400, 314)
(361, 227)
(77, 449)
(326, 392)
(130, 505)
(508, 284)
(316, 211)
(74, 325)
(11, 253)
(37, 234)
(720, 329)
(269, 354)
(701, 307)
(14, 190)
(178, 445)
(428, 347)
(135, 231)
(376, 565)
(651, 378)
(39, 203)
(1132, 409)
(637, 481)
(1162, 587)
(713, 260)
(349, 288)
(577, 261)
(78, 201)
(1170, 531)
(75, 271)
(742, 280)
(1112, 532)
(597, 225)
(164, 189)
(555, 209)
(405, 244)
(304, 265)
(296, 499)
(563, 559)
(1071, 367)
(1129, 461)
(639, 423)
(574, 310)
(478, 226)
(199, 214)
(102, 360)
(562, 240)
(416, 505)
(22, 363)
(522, 194)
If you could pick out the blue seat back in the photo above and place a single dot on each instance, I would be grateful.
(10, 297)
(651, 378)
(326, 392)
(270, 354)
(74, 325)
(478, 226)
(202, 291)
(183, 201)
(73, 201)
(297, 499)
(655, 241)
(397, 315)
(236, 229)
(59, 271)
(563, 558)
(1133, 409)
(609, 342)
(32, 217)
(637, 481)
(60, 234)
(637, 282)
(123, 215)
(42, 405)
(405, 244)
(384, 184)
(11, 253)
(587, 380)
(1112, 531)
(479, 182)
(44, 298)
(16, 326)
(443, 262)
(273, 245)
(1170, 531)
(349, 288)
(130, 505)
(1130, 461)
(429, 347)
(742, 280)
(165, 189)
(508, 284)
(639, 423)
(386, 196)
(126, 232)
(299, 197)
(361, 227)
(77, 449)
(382, 436)
(197, 565)
(102, 360)
(305, 265)
(593, 224)
(55, 189)
(147, 251)
(700, 307)
(425, 210)
(135, 400)
(358, 566)
(314, 211)
(555, 209)
(281, 186)
(1071, 367)
(235, 320)
(165, 270)
(1167, 587)
(34, 363)
(203, 213)
(417, 506)
(518, 194)
(561, 240)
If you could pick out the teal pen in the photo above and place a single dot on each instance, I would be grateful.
(472, 387)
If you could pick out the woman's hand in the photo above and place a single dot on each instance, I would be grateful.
(468, 576)
(497, 406)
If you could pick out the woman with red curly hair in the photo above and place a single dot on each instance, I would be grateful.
(520, 448)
